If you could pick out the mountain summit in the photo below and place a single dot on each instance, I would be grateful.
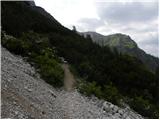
(125, 45)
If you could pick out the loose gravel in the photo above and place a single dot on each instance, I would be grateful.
(25, 95)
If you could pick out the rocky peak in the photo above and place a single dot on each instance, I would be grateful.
(30, 3)
(121, 40)
(114, 40)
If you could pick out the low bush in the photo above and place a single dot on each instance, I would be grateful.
(15, 45)
(50, 70)
(144, 107)
(39, 53)
(108, 92)
(89, 89)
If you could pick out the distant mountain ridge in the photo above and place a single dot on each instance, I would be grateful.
(125, 45)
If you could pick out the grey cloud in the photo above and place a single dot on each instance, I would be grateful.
(90, 23)
(128, 12)
(140, 30)
(151, 49)
(150, 44)
(145, 29)
(152, 40)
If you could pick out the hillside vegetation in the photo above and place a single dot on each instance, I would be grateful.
(125, 45)
(39, 53)
(104, 73)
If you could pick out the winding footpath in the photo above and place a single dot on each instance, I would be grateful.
(69, 80)
(25, 95)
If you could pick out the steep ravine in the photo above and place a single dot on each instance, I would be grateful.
(26, 95)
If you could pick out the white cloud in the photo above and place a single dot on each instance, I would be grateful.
(128, 12)
(69, 11)
(131, 17)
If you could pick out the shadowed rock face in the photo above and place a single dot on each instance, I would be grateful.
(31, 17)
(30, 3)
(125, 45)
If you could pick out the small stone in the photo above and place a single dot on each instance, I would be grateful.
(124, 115)
(14, 103)
(117, 115)
(120, 112)
(5, 86)
(128, 117)
(9, 80)
(16, 112)
(43, 112)
(52, 93)
(15, 76)
(115, 108)
(111, 106)
(30, 90)
(25, 87)
(104, 103)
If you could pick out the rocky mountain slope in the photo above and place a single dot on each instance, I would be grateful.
(42, 41)
(30, 17)
(124, 44)
(26, 95)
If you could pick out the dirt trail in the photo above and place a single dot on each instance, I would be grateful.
(69, 80)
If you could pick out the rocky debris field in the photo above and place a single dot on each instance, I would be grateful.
(25, 95)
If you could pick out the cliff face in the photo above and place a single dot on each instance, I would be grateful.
(25, 16)
(30, 3)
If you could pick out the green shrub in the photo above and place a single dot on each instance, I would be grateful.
(39, 52)
(50, 70)
(90, 89)
(74, 71)
(144, 107)
(15, 45)
(52, 75)
(110, 93)
(84, 69)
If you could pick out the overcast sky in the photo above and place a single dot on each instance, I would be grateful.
(131, 17)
